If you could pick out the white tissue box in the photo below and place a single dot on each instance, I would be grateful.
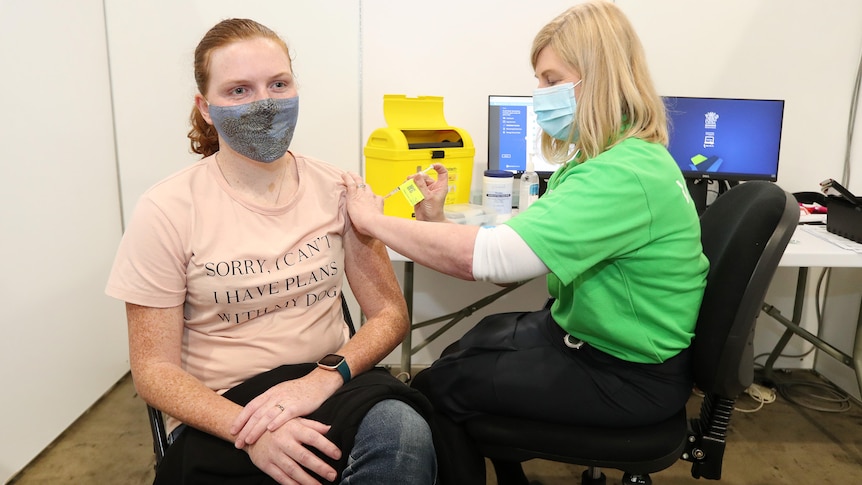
(470, 214)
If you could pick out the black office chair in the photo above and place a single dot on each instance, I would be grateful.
(810, 198)
(157, 422)
(744, 234)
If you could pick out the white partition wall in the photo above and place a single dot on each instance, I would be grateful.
(63, 342)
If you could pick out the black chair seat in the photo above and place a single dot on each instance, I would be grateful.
(641, 450)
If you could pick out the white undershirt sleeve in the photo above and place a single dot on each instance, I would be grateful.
(501, 256)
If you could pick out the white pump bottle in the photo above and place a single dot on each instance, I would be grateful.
(529, 188)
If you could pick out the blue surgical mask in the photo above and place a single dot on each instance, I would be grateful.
(261, 130)
(555, 110)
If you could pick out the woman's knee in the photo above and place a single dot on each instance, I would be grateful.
(397, 422)
(393, 445)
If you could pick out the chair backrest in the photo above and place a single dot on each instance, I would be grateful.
(744, 234)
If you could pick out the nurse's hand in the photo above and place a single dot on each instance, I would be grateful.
(362, 205)
(435, 191)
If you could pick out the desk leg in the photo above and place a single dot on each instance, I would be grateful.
(407, 343)
(857, 350)
(798, 301)
(853, 361)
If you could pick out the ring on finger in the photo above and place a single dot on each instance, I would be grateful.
(361, 186)
(280, 407)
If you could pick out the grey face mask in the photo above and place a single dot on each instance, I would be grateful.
(261, 130)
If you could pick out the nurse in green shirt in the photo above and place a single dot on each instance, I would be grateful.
(616, 235)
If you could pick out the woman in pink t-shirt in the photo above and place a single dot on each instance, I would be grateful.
(233, 268)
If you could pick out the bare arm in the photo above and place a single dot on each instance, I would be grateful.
(375, 287)
(155, 339)
(447, 248)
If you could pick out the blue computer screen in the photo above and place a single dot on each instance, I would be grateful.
(725, 139)
(513, 135)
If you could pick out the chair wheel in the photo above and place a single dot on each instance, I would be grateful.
(628, 478)
(587, 478)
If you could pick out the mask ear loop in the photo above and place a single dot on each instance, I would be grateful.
(577, 151)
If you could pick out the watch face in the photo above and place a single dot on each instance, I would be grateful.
(331, 360)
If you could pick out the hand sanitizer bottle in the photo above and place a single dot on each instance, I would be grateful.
(529, 190)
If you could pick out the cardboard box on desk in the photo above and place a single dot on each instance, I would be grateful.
(417, 136)
(843, 218)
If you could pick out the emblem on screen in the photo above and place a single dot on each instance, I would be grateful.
(710, 120)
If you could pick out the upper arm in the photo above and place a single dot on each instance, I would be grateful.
(155, 335)
(371, 277)
(493, 257)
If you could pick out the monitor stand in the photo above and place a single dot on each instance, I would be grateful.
(698, 189)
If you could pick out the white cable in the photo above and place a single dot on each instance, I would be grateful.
(851, 124)
(761, 394)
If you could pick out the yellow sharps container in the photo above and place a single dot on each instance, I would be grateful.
(415, 137)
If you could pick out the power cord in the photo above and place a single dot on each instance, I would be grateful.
(761, 394)
(817, 395)
(836, 400)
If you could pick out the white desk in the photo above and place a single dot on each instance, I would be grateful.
(812, 246)
(808, 250)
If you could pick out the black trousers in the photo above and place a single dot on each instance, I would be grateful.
(199, 458)
(517, 364)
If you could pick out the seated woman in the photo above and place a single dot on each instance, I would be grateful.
(232, 272)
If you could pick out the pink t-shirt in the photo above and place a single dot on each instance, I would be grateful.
(260, 286)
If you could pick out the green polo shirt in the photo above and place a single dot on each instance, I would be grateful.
(621, 237)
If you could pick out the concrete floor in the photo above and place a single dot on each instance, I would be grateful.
(781, 443)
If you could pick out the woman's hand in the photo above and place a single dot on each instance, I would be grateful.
(282, 454)
(362, 205)
(281, 403)
(435, 191)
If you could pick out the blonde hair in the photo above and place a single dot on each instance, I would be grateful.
(617, 97)
(203, 136)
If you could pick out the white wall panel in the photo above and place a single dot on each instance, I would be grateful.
(64, 342)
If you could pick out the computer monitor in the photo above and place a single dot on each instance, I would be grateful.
(513, 136)
(725, 139)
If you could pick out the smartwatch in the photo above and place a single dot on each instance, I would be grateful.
(337, 363)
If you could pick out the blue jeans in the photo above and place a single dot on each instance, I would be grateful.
(393, 445)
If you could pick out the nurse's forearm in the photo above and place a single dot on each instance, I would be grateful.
(447, 248)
